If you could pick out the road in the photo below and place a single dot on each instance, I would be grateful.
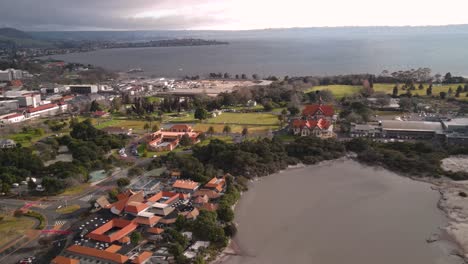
(54, 220)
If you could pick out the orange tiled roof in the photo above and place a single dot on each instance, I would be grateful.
(185, 184)
(172, 196)
(64, 260)
(12, 116)
(147, 220)
(41, 108)
(155, 230)
(124, 239)
(210, 193)
(181, 127)
(135, 207)
(142, 257)
(16, 83)
(216, 183)
(113, 248)
(96, 253)
(209, 207)
(192, 214)
(126, 227)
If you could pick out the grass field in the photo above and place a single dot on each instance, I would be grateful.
(13, 227)
(245, 119)
(75, 190)
(339, 91)
(136, 125)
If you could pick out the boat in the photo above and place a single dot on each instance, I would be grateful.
(135, 70)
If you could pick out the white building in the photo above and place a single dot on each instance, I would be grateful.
(12, 118)
(6, 75)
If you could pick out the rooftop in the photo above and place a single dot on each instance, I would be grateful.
(96, 253)
(186, 184)
(412, 125)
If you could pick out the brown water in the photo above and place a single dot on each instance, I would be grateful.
(336, 213)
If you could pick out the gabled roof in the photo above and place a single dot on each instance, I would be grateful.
(12, 116)
(186, 184)
(124, 227)
(126, 198)
(210, 207)
(135, 207)
(64, 260)
(41, 108)
(150, 221)
(144, 256)
(171, 196)
(312, 109)
(216, 183)
(96, 253)
(155, 230)
(210, 193)
(181, 127)
(321, 123)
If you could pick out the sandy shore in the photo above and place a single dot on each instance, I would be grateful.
(392, 196)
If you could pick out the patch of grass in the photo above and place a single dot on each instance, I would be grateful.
(39, 217)
(69, 209)
(339, 91)
(236, 128)
(136, 125)
(13, 227)
(75, 190)
(182, 117)
(245, 119)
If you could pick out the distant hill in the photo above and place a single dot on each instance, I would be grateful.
(11, 36)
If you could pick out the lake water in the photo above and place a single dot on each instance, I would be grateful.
(294, 56)
(340, 212)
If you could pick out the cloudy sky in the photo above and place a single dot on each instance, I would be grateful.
(225, 14)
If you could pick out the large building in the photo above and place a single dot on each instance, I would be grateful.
(83, 89)
(317, 120)
(456, 131)
(168, 140)
(10, 75)
(399, 130)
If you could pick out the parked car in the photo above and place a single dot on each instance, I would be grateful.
(15, 185)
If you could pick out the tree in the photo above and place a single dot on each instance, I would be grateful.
(210, 131)
(459, 91)
(245, 131)
(185, 140)
(146, 127)
(367, 89)
(201, 114)
(155, 127)
(225, 214)
(294, 110)
(227, 129)
(466, 88)
(448, 77)
(255, 76)
(135, 238)
(268, 106)
(443, 95)
(421, 86)
(395, 91)
(95, 106)
(429, 90)
(227, 76)
(122, 182)
(450, 92)
(243, 76)
(284, 112)
(135, 170)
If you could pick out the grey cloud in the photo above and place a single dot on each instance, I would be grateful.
(97, 14)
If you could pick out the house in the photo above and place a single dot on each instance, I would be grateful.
(365, 130)
(251, 103)
(410, 129)
(125, 199)
(7, 143)
(163, 140)
(45, 110)
(318, 111)
(13, 118)
(120, 229)
(322, 128)
(185, 186)
(216, 184)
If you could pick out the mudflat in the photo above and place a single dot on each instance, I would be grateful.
(339, 212)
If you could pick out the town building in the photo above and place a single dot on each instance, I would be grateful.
(456, 131)
(12, 118)
(185, 186)
(410, 129)
(216, 184)
(317, 120)
(83, 89)
(8, 106)
(168, 140)
(321, 128)
(45, 110)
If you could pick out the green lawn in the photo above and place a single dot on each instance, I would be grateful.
(182, 117)
(136, 125)
(245, 119)
(13, 227)
(205, 142)
(339, 91)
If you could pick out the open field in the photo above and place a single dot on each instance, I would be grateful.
(245, 119)
(136, 125)
(339, 91)
(13, 227)
(75, 190)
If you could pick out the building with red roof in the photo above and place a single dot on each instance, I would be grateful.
(216, 184)
(317, 120)
(320, 128)
(185, 186)
(13, 118)
(96, 254)
(318, 111)
(113, 230)
(163, 140)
